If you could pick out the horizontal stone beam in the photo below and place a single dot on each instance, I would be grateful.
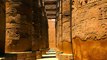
(51, 9)
(51, 17)
(51, 14)
(50, 2)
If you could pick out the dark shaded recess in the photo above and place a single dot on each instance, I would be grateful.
(35, 11)
(2, 27)
(24, 35)
(2, 54)
(14, 42)
(66, 13)
(49, 57)
(13, 21)
(26, 11)
(30, 49)
(10, 56)
(2, 46)
(86, 1)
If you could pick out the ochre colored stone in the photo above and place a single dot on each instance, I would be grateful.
(63, 28)
(65, 57)
(52, 41)
(38, 54)
(89, 29)
(26, 56)
(18, 19)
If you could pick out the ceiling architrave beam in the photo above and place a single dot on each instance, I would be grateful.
(50, 2)
(51, 14)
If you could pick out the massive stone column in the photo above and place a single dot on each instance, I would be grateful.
(40, 26)
(66, 40)
(59, 33)
(89, 29)
(35, 41)
(2, 26)
(63, 28)
(37, 19)
(58, 27)
(44, 44)
(44, 33)
(18, 25)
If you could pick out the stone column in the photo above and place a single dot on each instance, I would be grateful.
(59, 28)
(46, 33)
(43, 34)
(89, 30)
(59, 31)
(66, 40)
(18, 26)
(36, 26)
(59, 34)
(36, 42)
(65, 43)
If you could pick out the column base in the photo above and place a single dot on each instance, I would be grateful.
(22, 56)
(58, 54)
(65, 57)
(44, 52)
(10, 57)
(38, 54)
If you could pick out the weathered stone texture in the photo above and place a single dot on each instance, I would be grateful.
(38, 54)
(22, 56)
(26, 56)
(63, 28)
(65, 57)
(18, 19)
(59, 33)
(23, 27)
(40, 26)
(89, 29)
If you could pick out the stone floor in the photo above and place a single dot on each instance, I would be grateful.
(50, 55)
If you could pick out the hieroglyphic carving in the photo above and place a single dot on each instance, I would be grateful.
(103, 12)
(89, 31)
(84, 2)
(18, 19)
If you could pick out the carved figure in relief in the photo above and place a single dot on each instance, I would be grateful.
(103, 13)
